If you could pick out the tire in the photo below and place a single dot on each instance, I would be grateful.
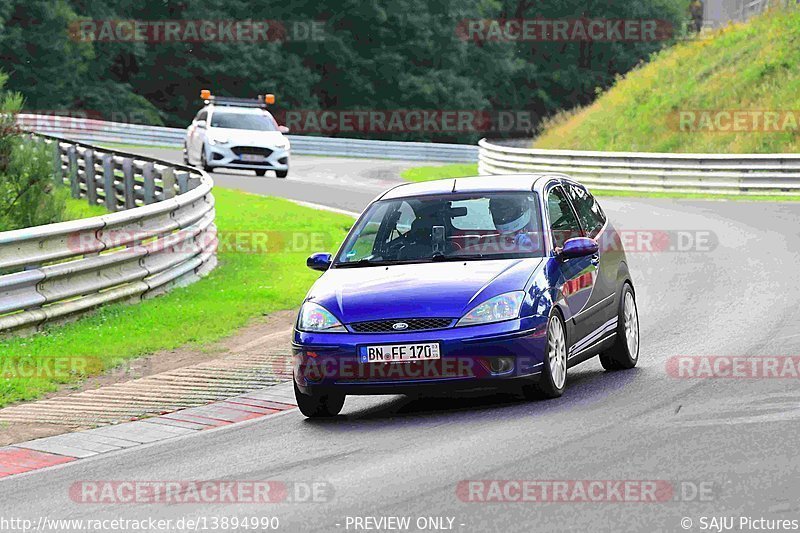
(203, 161)
(553, 379)
(625, 353)
(261, 172)
(281, 173)
(318, 405)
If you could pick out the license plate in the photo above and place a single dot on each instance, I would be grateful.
(399, 353)
(253, 158)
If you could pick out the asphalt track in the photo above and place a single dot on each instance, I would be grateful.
(390, 456)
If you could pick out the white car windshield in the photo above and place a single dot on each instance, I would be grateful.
(243, 121)
(446, 228)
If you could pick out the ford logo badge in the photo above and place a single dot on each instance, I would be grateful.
(400, 326)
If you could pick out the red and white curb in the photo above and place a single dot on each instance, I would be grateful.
(59, 449)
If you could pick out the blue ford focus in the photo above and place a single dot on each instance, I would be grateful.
(471, 283)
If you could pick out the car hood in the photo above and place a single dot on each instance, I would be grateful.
(430, 290)
(265, 139)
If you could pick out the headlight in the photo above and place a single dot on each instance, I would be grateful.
(316, 318)
(218, 140)
(497, 309)
(282, 146)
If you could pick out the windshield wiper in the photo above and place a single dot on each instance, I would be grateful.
(356, 264)
(436, 258)
(368, 262)
(465, 257)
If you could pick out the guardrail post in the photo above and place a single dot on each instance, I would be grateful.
(108, 182)
(149, 175)
(128, 183)
(58, 170)
(183, 182)
(75, 185)
(168, 182)
(88, 171)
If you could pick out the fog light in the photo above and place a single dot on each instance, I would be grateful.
(501, 365)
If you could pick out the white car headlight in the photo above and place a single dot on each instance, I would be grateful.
(315, 318)
(218, 140)
(282, 145)
(504, 307)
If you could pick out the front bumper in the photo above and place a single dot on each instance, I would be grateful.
(230, 156)
(329, 361)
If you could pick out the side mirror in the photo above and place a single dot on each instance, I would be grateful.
(201, 124)
(283, 129)
(579, 247)
(321, 262)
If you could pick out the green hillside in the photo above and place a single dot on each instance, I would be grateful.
(738, 92)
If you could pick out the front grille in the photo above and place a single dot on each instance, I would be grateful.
(414, 324)
(251, 150)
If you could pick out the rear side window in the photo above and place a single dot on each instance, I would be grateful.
(590, 214)
(202, 115)
(563, 223)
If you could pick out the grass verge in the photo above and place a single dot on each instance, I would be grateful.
(263, 246)
(440, 172)
(77, 209)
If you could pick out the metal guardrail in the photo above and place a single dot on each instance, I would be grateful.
(774, 174)
(91, 130)
(160, 234)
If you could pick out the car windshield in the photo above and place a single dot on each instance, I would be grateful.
(445, 228)
(243, 121)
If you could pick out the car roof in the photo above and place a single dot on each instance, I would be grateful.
(494, 183)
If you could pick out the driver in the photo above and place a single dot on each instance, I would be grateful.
(512, 218)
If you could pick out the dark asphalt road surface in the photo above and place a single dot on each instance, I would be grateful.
(736, 439)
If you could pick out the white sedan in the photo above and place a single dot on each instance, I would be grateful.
(233, 136)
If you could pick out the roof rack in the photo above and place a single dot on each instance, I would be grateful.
(261, 101)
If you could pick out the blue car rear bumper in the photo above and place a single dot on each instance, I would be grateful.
(330, 361)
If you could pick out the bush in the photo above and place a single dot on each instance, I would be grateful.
(28, 194)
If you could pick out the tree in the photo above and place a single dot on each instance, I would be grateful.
(28, 194)
(372, 55)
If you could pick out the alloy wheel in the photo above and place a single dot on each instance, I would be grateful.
(557, 352)
(631, 318)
